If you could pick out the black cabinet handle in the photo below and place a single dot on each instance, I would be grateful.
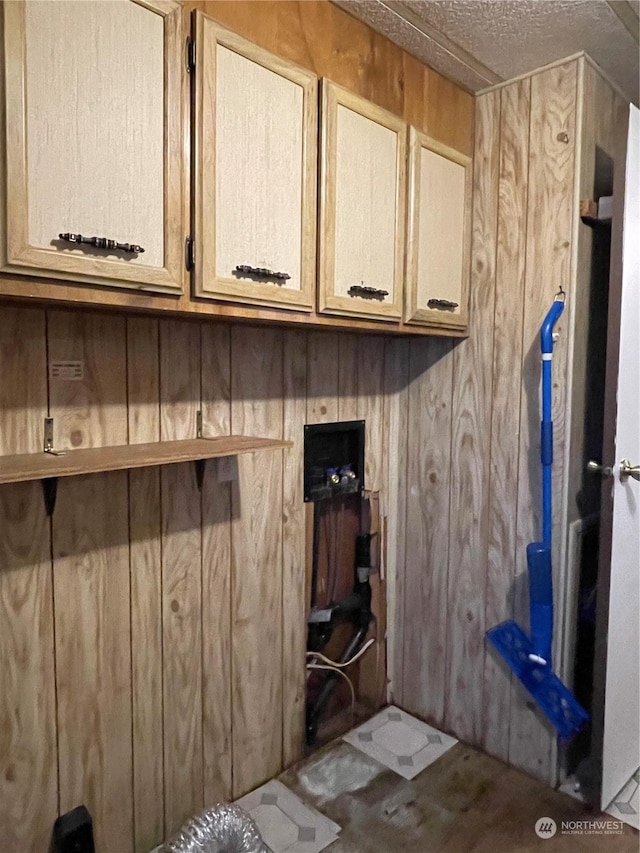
(102, 243)
(261, 272)
(443, 304)
(365, 292)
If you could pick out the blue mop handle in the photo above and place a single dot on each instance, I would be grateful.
(546, 427)
(539, 553)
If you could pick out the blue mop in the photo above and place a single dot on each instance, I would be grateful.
(530, 657)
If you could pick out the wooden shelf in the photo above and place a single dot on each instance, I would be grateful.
(42, 466)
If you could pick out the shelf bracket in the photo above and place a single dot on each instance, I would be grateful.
(199, 424)
(200, 465)
(50, 493)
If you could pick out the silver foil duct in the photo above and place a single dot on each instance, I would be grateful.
(219, 829)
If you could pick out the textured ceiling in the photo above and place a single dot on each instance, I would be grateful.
(481, 42)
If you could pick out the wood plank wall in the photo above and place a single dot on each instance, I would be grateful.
(473, 480)
(152, 637)
(473, 477)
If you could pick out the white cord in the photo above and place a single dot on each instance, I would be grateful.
(335, 664)
(343, 674)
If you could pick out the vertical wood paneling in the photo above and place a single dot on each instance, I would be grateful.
(322, 378)
(293, 549)
(93, 653)
(370, 406)
(550, 202)
(216, 573)
(29, 769)
(23, 387)
(257, 409)
(347, 377)
(394, 503)
(470, 448)
(91, 580)
(92, 411)
(427, 531)
(145, 554)
(507, 357)
(181, 578)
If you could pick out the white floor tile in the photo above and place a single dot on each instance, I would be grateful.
(626, 806)
(286, 823)
(400, 742)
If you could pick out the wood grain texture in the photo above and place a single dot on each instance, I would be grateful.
(427, 529)
(143, 380)
(35, 466)
(256, 391)
(93, 676)
(550, 201)
(92, 411)
(470, 468)
(294, 608)
(45, 199)
(29, 764)
(347, 377)
(23, 390)
(181, 579)
(503, 166)
(394, 503)
(217, 712)
(322, 378)
(145, 558)
(370, 408)
(248, 215)
(329, 41)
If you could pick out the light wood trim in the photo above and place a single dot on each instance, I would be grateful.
(414, 312)
(40, 292)
(49, 262)
(209, 35)
(36, 466)
(333, 96)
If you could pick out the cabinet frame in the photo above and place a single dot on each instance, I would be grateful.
(206, 283)
(414, 313)
(17, 254)
(333, 96)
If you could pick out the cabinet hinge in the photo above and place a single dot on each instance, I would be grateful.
(189, 254)
(191, 54)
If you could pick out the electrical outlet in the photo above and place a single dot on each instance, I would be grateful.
(227, 468)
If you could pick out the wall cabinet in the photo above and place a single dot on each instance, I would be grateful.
(94, 142)
(255, 168)
(139, 157)
(438, 230)
(362, 204)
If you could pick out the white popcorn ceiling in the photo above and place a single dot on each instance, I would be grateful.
(480, 42)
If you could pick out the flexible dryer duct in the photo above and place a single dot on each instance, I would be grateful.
(219, 829)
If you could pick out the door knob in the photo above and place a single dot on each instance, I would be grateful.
(629, 470)
(594, 467)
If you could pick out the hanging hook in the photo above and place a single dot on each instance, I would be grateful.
(560, 295)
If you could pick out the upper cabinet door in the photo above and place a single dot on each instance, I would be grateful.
(94, 142)
(362, 207)
(438, 252)
(255, 168)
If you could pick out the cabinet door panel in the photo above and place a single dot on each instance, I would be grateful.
(362, 207)
(94, 139)
(439, 234)
(255, 165)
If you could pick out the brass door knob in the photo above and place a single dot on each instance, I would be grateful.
(629, 470)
